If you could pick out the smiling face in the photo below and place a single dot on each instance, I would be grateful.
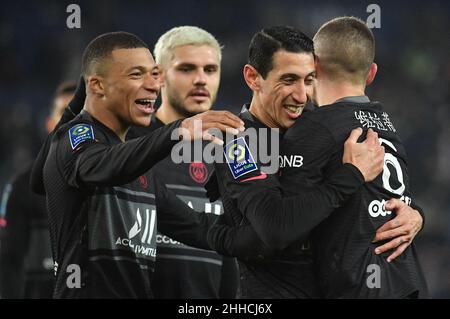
(131, 86)
(191, 79)
(281, 96)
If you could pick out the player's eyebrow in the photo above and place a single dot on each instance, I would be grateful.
(186, 65)
(140, 68)
(212, 65)
(289, 75)
(312, 73)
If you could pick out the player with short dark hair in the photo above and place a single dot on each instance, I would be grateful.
(278, 100)
(26, 265)
(99, 50)
(102, 205)
(342, 243)
(267, 42)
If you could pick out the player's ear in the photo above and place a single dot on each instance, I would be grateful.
(317, 65)
(252, 77)
(372, 72)
(95, 85)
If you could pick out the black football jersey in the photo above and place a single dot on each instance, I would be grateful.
(104, 210)
(183, 271)
(256, 206)
(347, 266)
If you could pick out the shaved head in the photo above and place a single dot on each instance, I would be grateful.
(346, 49)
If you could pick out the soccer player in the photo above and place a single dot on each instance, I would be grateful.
(189, 59)
(281, 80)
(280, 72)
(102, 204)
(344, 245)
(26, 266)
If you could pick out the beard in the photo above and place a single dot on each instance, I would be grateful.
(177, 102)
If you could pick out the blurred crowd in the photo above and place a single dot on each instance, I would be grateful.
(38, 51)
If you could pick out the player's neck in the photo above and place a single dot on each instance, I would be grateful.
(328, 92)
(106, 117)
(167, 114)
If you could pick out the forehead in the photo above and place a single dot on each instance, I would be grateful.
(124, 59)
(195, 54)
(293, 63)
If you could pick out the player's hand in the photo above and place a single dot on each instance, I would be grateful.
(367, 156)
(402, 229)
(196, 127)
(76, 104)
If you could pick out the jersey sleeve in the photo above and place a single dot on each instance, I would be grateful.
(37, 172)
(180, 222)
(37, 177)
(280, 220)
(241, 242)
(86, 159)
(233, 177)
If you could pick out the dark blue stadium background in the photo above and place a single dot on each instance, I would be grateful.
(38, 51)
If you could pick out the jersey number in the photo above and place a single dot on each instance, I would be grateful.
(391, 162)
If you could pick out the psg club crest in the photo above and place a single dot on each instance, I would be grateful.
(143, 181)
(198, 172)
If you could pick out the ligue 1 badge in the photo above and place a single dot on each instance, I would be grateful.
(80, 133)
(239, 158)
